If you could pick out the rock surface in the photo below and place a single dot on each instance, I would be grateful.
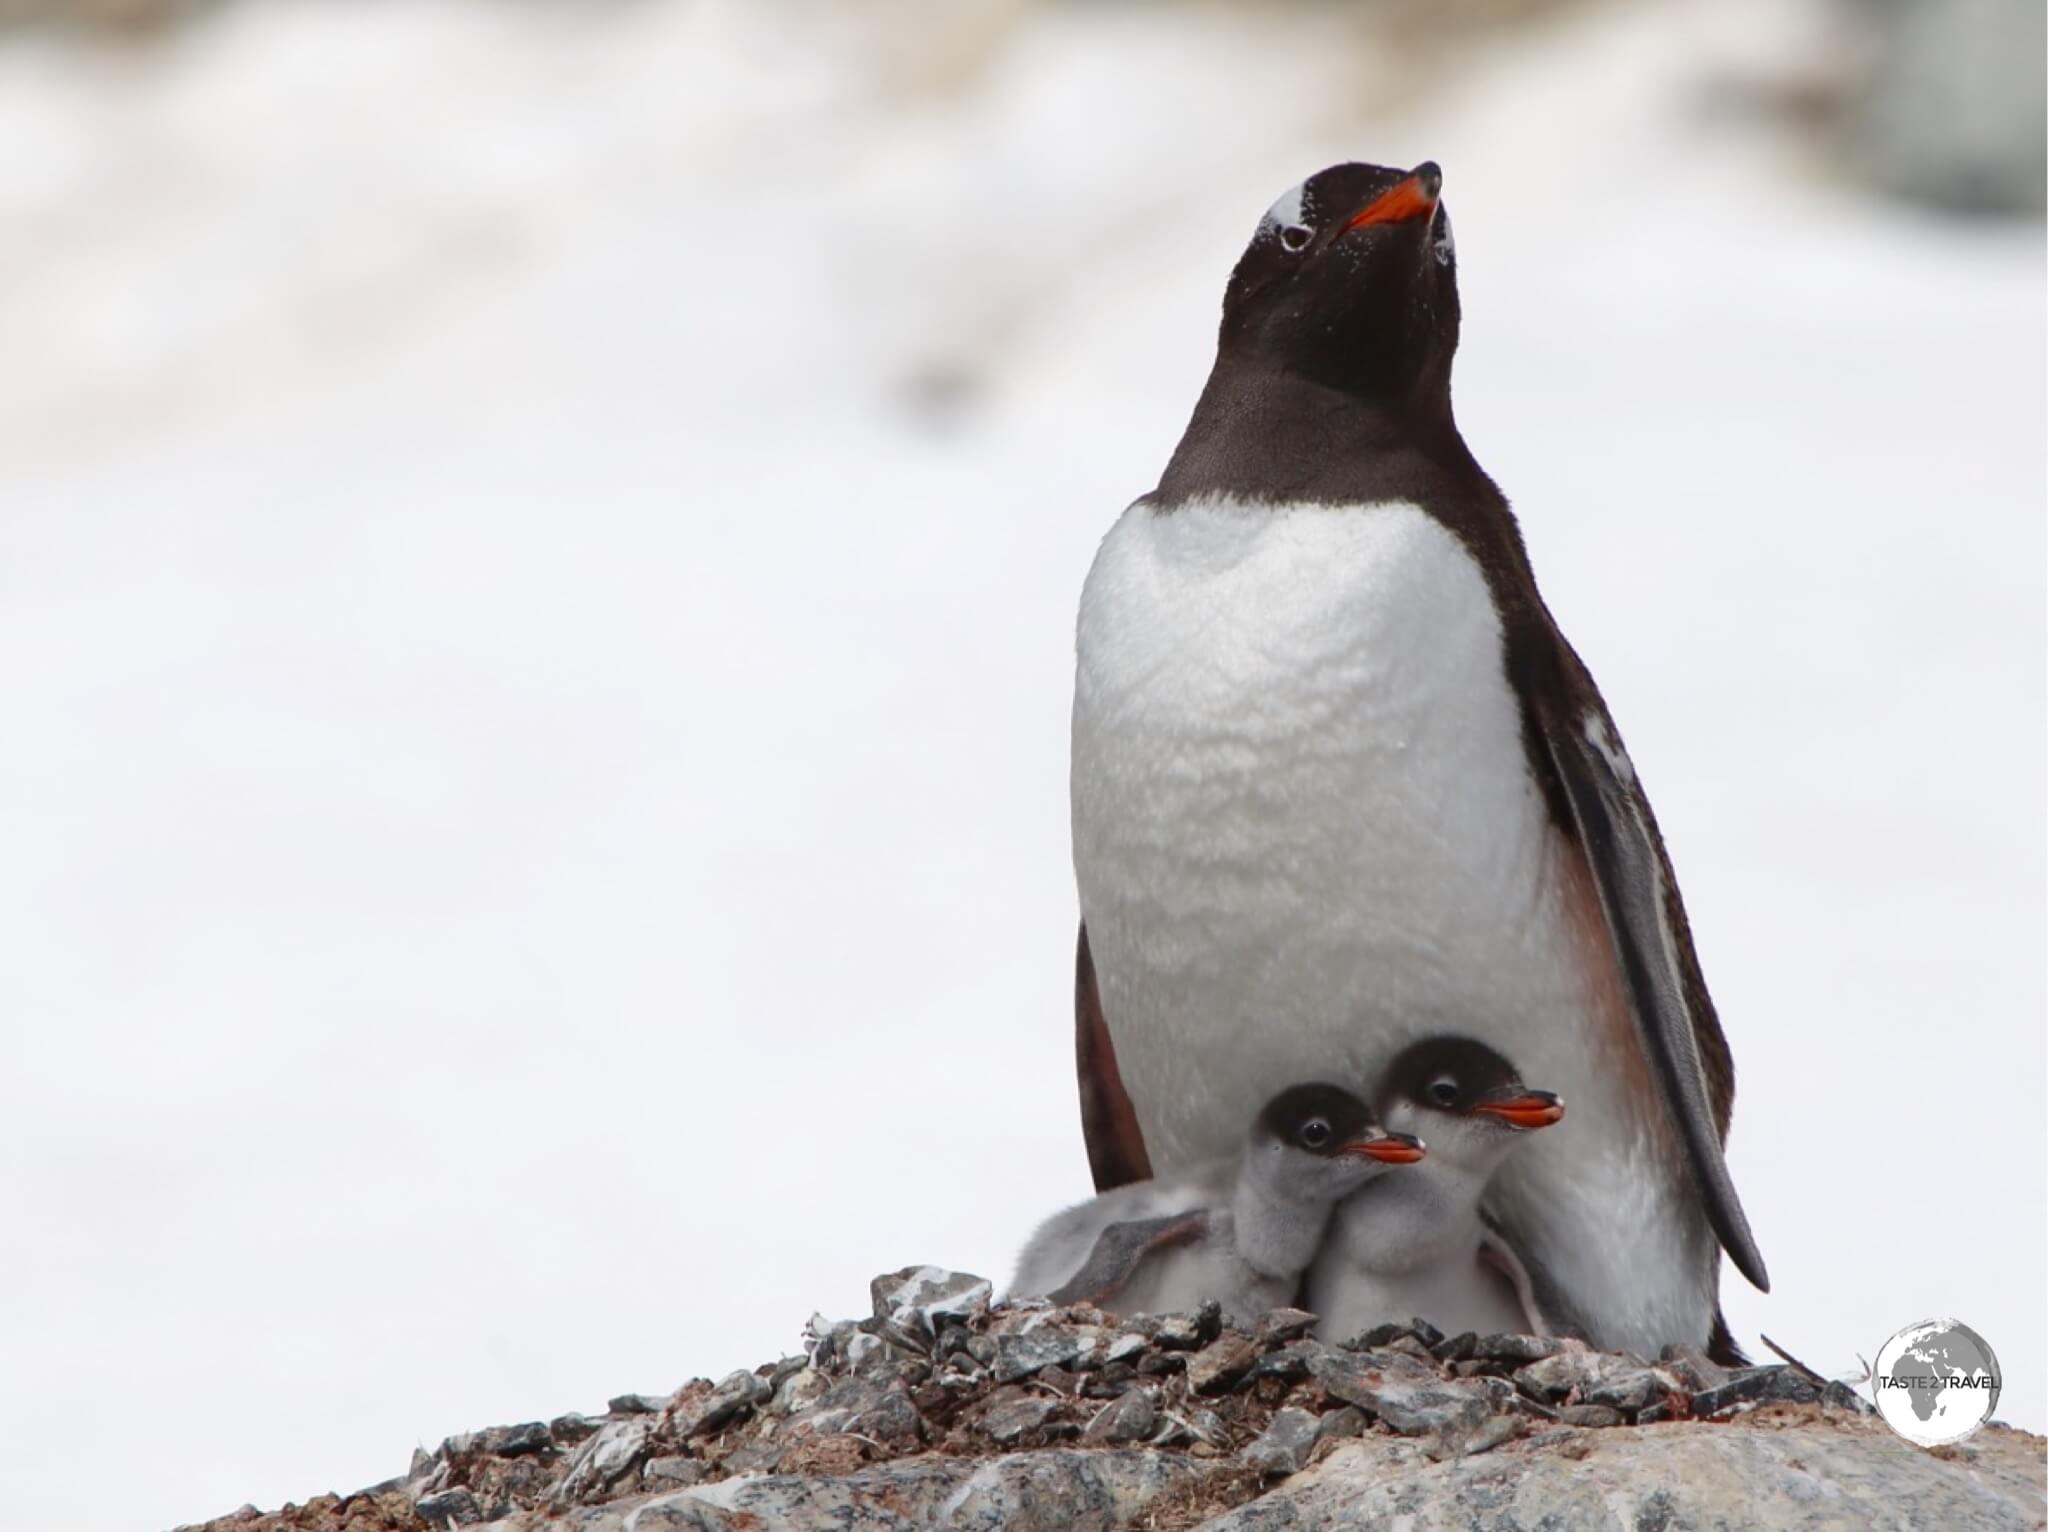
(945, 1410)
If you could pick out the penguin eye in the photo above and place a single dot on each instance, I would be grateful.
(1295, 236)
(1443, 1090)
(1314, 1133)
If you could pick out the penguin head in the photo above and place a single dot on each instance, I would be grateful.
(1351, 281)
(1468, 1098)
(1324, 1140)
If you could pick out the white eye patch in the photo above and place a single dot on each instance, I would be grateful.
(1289, 216)
(1290, 208)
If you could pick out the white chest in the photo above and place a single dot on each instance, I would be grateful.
(1303, 828)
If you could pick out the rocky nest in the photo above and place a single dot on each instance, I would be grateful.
(943, 1409)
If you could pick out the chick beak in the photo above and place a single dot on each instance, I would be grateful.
(1387, 1148)
(1525, 1108)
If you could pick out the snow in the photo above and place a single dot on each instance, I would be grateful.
(540, 549)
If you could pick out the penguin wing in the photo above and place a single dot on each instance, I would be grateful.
(1121, 1249)
(1652, 945)
(1109, 1124)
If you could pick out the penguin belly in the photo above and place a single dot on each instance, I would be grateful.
(1305, 835)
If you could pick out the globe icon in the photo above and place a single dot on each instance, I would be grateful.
(1935, 1382)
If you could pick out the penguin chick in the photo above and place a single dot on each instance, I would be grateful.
(1240, 1230)
(1416, 1245)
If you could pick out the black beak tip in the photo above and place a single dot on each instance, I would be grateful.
(1429, 176)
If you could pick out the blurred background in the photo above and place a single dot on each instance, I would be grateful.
(538, 548)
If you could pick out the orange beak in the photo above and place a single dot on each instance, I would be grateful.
(1414, 196)
(1527, 1109)
(1388, 1148)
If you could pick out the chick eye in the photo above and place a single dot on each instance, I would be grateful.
(1314, 1133)
(1444, 1091)
(1295, 236)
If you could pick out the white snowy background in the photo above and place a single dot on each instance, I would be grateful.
(537, 557)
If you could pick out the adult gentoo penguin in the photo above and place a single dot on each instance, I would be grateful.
(1335, 768)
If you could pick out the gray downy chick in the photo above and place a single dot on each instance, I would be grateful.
(1240, 1230)
(1417, 1245)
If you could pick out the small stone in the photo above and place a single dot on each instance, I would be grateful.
(1283, 1447)
(1349, 1420)
(1840, 1396)
(1158, 1363)
(915, 1303)
(1190, 1332)
(1430, 1336)
(450, 1508)
(1694, 1367)
(1221, 1364)
(1377, 1336)
(1589, 1415)
(1752, 1385)
(1456, 1348)
(1108, 1382)
(1650, 1414)
(1409, 1345)
(423, 1463)
(1555, 1377)
(1630, 1391)
(1290, 1363)
(1410, 1400)
(1276, 1327)
(982, 1348)
(799, 1390)
(1518, 1349)
(675, 1470)
(569, 1429)
(737, 1393)
(891, 1418)
(1489, 1435)
(514, 1441)
(1126, 1346)
(635, 1404)
(606, 1457)
(1130, 1417)
(1016, 1419)
(1019, 1356)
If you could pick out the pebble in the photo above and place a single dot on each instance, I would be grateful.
(1345, 1420)
(739, 1392)
(918, 1300)
(1220, 1364)
(1631, 1391)
(514, 1441)
(1589, 1415)
(1276, 1327)
(635, 1404)
(450, 1508)
(1131, 1417)
(1189, 1332)
(1019, 1356)
(1517, 1349)
(1284, 1446)
(1013, 1420)
(676, 1470)
(1457, 1348)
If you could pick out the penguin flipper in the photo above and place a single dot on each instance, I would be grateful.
(1109, 1123)
(1652, 946)
(1121, 1249)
